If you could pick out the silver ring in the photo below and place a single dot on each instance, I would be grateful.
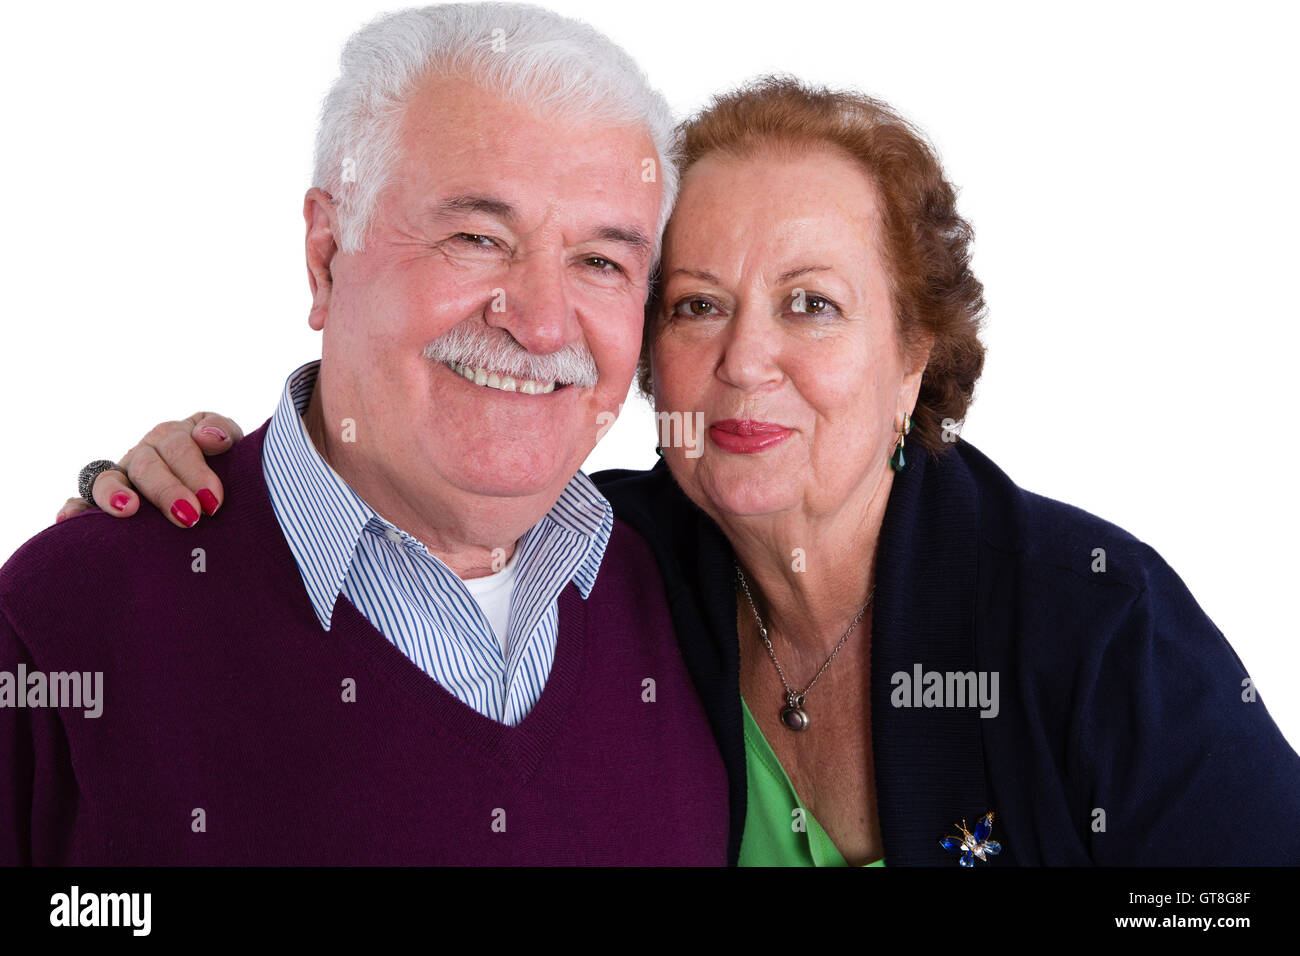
(86, 480)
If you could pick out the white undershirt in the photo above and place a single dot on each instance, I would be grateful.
(493, 593)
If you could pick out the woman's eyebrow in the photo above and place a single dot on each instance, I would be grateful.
(802, 270)
(783, 277)
(702, 276)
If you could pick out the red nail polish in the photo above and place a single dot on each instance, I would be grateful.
(59, 517)
(184, 512)
(119, 500)
(208, 500)
(214, 431)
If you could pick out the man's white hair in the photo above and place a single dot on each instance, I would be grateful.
(522, 53)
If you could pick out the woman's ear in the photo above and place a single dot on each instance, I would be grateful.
(918, 358)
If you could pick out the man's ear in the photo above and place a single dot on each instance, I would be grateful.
(318, 210)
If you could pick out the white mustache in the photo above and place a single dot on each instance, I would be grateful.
(480, 346)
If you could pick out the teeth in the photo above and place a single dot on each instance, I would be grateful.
(506, 383)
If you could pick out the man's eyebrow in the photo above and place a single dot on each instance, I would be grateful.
(629, 236)
(802, 270)
(489, 205)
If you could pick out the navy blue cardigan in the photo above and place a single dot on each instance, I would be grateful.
(1126, 732)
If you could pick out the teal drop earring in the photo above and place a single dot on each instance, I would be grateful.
(897, 461)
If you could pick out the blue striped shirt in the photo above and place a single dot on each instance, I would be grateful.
(342, 545)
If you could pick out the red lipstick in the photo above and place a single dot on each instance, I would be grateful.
(747, 437)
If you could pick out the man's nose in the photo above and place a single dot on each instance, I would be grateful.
(534, 305)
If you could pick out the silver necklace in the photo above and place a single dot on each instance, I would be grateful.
(793, 716)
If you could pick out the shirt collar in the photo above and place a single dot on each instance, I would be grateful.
(323, 518)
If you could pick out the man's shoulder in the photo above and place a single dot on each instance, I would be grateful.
(92, 566)
(87, 551)
(627, 555)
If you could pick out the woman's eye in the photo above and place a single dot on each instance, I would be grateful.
(694, 307)
(812, 304)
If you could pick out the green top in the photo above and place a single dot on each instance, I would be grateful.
(779, 830)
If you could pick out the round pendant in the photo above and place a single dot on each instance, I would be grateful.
(794, 718)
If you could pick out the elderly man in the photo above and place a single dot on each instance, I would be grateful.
(416, 634)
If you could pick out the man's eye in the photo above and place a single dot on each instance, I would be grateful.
(603, 264)
(694, 308)
(475, 239)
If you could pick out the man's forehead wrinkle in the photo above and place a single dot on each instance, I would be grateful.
(509, 186)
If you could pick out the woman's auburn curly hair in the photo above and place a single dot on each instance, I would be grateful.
(927, 244)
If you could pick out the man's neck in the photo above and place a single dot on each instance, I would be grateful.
(474, 535)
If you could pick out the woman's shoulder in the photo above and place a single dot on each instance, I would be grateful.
(1054, 537)
(1133, 690)
(649, 501)
(1064, 591)
(631, 485)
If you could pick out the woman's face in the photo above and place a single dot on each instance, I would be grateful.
(778, 327)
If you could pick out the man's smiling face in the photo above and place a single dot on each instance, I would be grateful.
(504, 238)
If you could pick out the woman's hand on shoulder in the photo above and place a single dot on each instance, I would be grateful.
(168, 469)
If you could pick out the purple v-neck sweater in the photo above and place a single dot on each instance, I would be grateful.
(236, 731)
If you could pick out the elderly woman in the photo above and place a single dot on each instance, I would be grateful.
(903, 655)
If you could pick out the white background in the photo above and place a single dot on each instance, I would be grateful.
(1130, 170)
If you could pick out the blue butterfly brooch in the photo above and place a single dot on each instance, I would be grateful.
(973, 846)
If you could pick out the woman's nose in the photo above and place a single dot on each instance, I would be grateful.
(750, 356)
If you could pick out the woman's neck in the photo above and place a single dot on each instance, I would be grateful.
(810, 574)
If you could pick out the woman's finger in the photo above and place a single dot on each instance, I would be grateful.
(186, 460)
(114, 494)
(156, 483)
(214, 433)
(73, 506)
